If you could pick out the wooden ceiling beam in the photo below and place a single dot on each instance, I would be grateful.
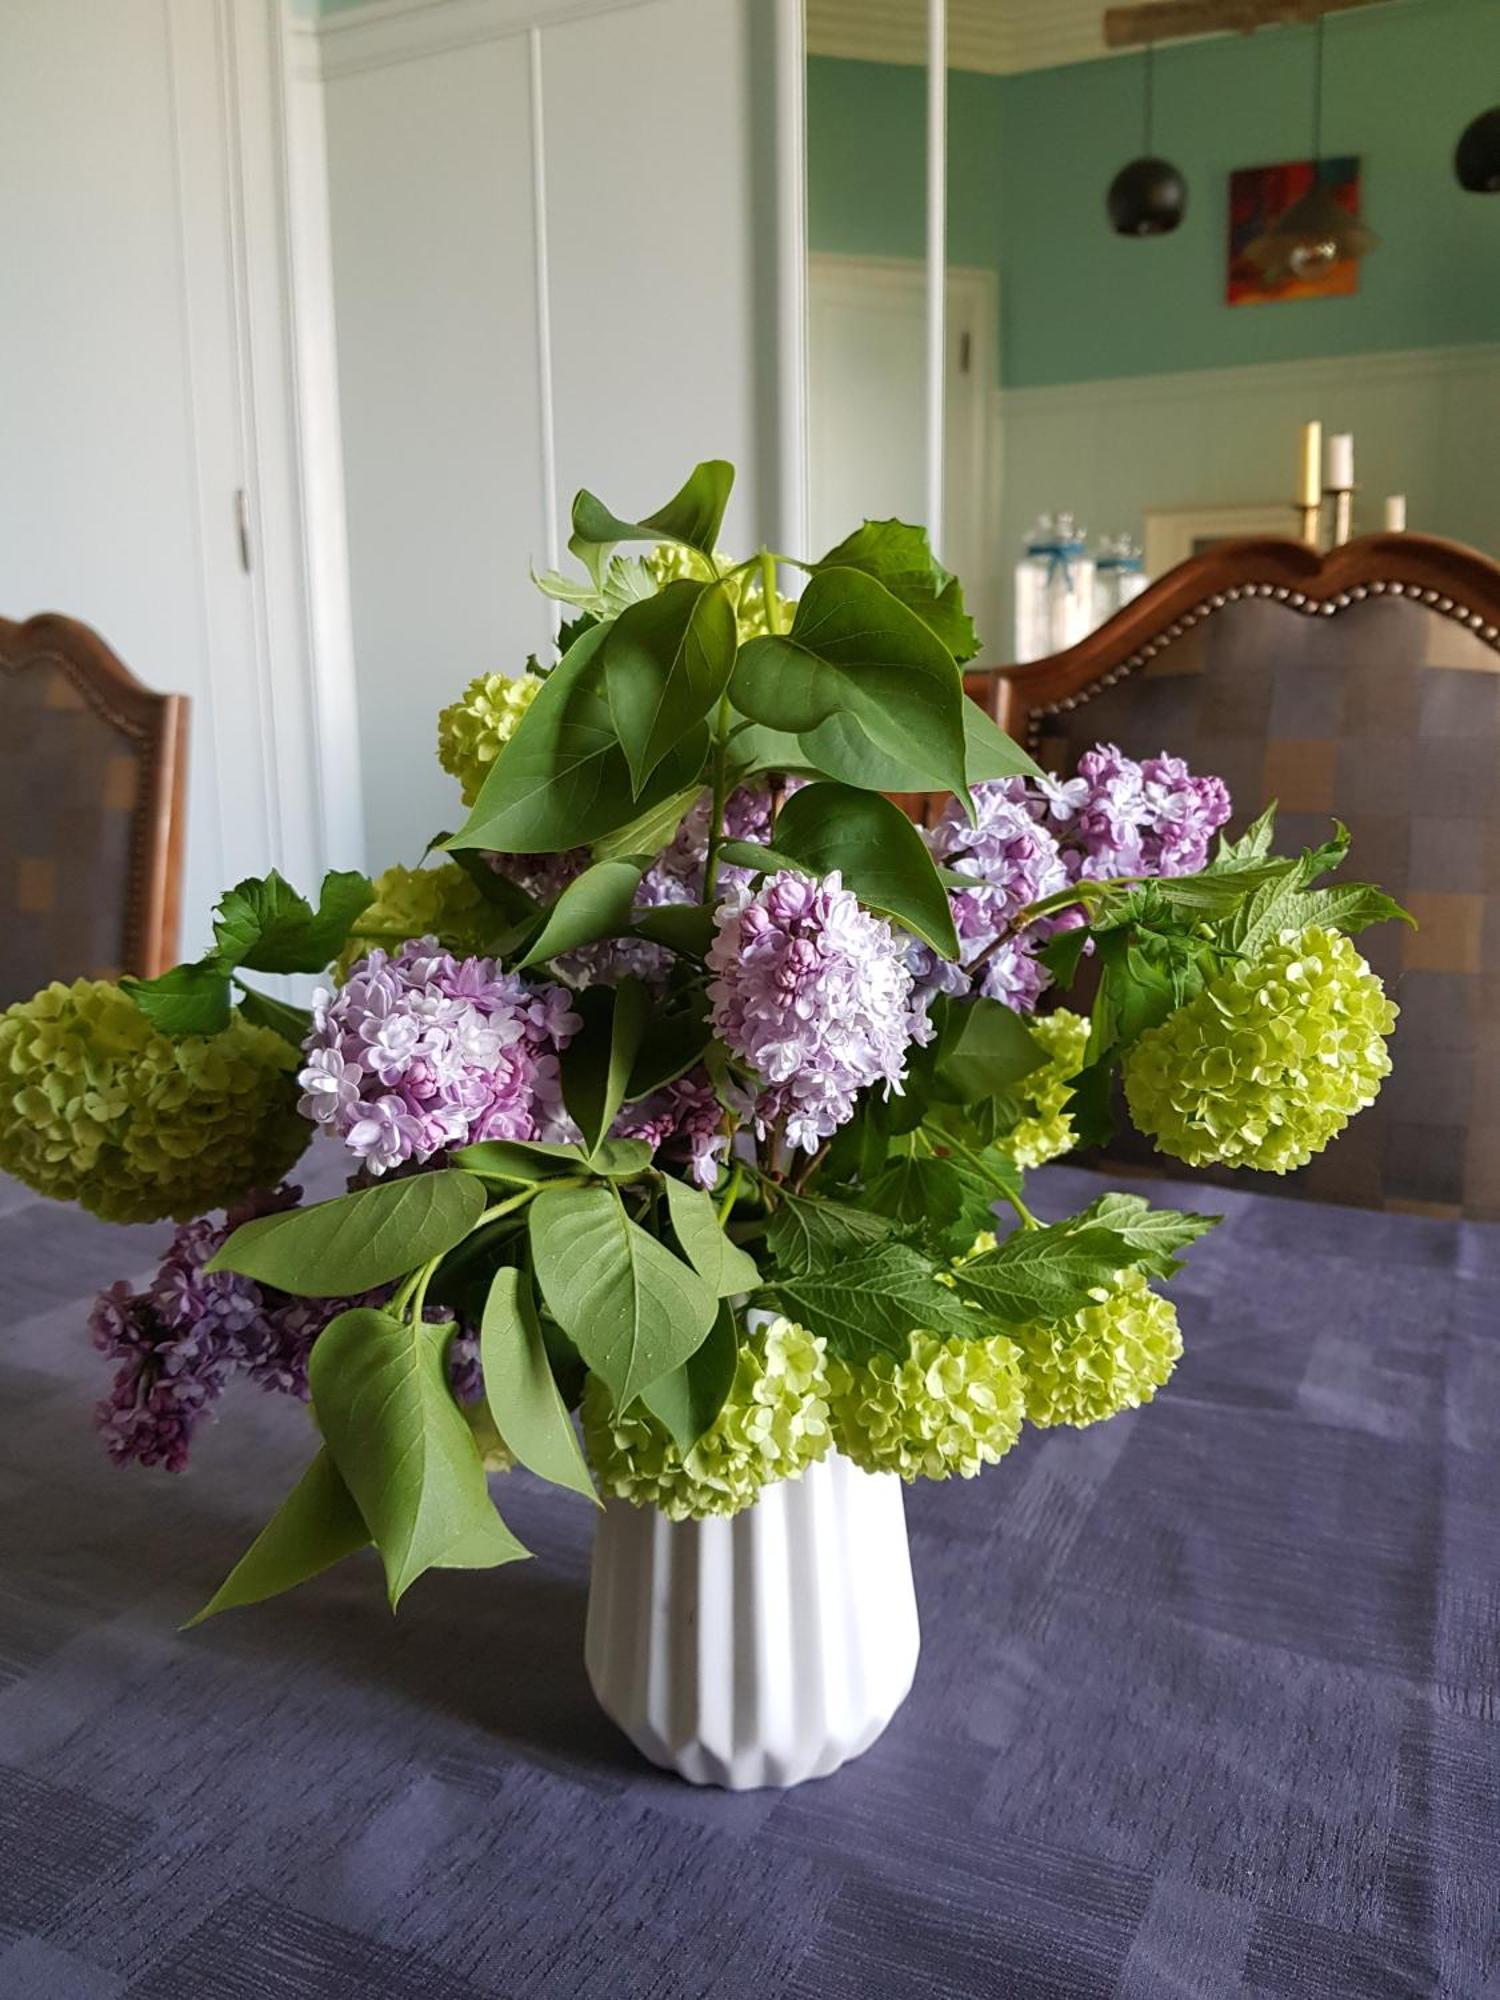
(1169, 20)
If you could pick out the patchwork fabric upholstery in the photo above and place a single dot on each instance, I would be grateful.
(88, 780)
(1386, 716)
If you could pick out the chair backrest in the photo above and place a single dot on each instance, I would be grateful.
(1362, 686)
(92, 772)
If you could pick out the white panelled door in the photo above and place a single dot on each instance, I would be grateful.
(149, 478)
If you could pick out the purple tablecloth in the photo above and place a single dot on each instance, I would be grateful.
(1209, 1700)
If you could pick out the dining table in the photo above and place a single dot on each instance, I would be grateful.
(1208, 1700)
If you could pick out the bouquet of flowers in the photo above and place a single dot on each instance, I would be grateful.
(681, 1087)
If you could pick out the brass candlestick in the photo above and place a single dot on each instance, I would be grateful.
(1310, 483)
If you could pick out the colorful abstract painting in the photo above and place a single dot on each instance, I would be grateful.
(1258, 198)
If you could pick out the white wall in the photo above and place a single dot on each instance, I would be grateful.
(149, 373)
(554, 255)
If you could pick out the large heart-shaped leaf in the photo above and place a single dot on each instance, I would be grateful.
(859, 670)
(563, 780)
(518, 1384)
(316, 1525)
(349, 1245)
(876, 849)
(380, 1391)
(632, 1309)
(666, 663)
(690, 1397)
(989, 752)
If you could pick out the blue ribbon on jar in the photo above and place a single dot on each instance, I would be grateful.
(1060, 557)
(1126, 565)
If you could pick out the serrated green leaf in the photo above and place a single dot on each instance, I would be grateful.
(596, 904)
(381, 1396)
(564, 781)
(1045, 1275)
(293, 1024)
(264, 924)
(807, 1233)
(667, 662)
(519, 1387)
(597, 1062)
(338, 1248)
(918, 1192)
(188, 1000)
(858, 669)
(632, 1309)
(1152, 1234)
(900, 557)
(723, 1266)
(872, 1303)
(1254, 844)
(689, 1399)
(317, 1525)
(878, 852)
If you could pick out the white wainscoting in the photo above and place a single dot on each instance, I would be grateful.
(1426, 423)
(560, 245)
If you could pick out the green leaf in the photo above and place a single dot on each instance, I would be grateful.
(693, 516)
(918, 1192)
(858, 672)
(380, 1391)
(1254, 844)
(673, 1044)
(1063, 954)
(525, 1161)
(686, 928)
(358, 1241)
(594, 905)
(564, 780)
(1152, 1234)
(876, 849)
(649, 832)
(518, 1384)
(722, 1265)
(989, 752)
(597, 1062)
(316, 1526)
(807, 1233)
(632, 1309)
(900, 557)
(982, 1047)
(666, 664)
(188, 1000)
(507, 897)
(689, 1398)
(1350, 906)
(869, 1303)
(293, 1024)
(263, 923)
(1049, 1274)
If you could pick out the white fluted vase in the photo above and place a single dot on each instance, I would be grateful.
(764, 1649)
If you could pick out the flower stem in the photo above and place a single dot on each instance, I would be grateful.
(726, 1206)
(768, 586)
(716, 810)
(1028, 1220)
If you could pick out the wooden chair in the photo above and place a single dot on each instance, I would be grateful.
(1363, 685)
(92, 798)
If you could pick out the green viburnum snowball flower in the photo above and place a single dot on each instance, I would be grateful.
(773, 1426)
(951, 1406)
(437, 902)
(1045, 1129)
(1269, 1061)
(1112, 1356)
(97, 1107)
(670, 562)
(473, 730)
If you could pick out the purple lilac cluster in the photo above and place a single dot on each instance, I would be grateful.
(420, 1052)
(815, 994)
(683, 1123)
(180, 1341)
(1116, 817)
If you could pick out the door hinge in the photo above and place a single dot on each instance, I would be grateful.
(242, 527)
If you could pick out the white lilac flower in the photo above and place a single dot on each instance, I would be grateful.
(815, 994)
(420, 1052)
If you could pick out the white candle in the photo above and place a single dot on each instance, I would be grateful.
(1340, 462)
(1395, 514)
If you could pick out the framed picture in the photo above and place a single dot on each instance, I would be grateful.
(1259, 199)
(1175, 533)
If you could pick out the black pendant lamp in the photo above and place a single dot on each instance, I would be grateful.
(1149, 196)
(1476, 159)
(1317, 230)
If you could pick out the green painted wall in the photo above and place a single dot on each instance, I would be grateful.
(1030, 157)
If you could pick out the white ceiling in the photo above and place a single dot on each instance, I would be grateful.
(995, 36)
